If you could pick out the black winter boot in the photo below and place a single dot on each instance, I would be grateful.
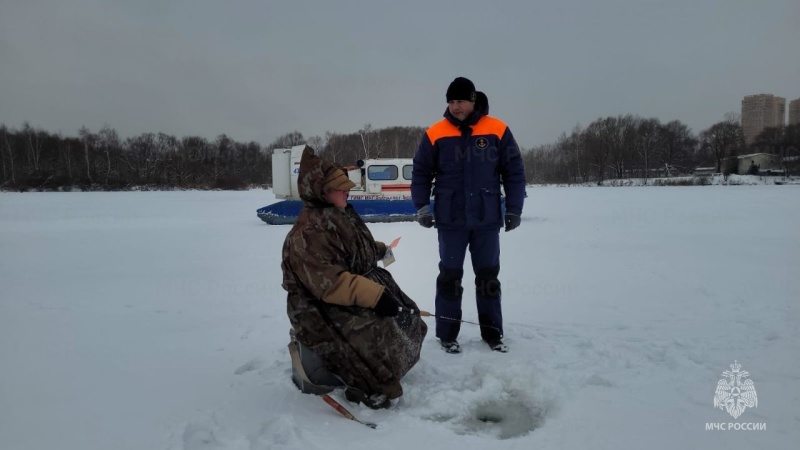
(374, 401)
(497, 345)
(451, 347)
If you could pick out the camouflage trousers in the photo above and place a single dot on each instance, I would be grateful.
(366, 351)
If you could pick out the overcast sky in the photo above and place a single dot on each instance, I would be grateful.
(258, 69)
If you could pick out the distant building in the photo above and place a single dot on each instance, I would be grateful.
(759, 112)
(794, 112)
(707, 169)
(762, 161)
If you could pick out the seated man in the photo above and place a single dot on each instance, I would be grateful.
(345, 311)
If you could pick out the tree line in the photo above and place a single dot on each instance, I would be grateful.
(32, 158)
(630, 146)
(609, 148)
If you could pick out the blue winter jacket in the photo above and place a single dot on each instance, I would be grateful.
(464, 164)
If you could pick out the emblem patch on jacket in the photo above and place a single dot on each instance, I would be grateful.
(482, 142)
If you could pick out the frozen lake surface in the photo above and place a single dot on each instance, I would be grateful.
(152, 320)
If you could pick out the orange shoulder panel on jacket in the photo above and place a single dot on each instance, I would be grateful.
(489, 125)
(442, 129)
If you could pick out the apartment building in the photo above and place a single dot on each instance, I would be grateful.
(761, 111)
(794, 112)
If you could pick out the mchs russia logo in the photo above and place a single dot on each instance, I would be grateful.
(735, 392)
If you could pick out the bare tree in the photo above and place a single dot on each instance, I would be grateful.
(142, 157)
(108, 140)
(576, 151)
(65, 155)
(723, 139)
(647, 142)
(627, 145)
(676, 147)
(316, 143)
(601, 138)
(287, 140)
(769, 140)
(89, 141)
(10, 155)
(366, 141)
(330, 149)
(34, 146)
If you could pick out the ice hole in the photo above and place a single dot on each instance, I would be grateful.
(504, 420)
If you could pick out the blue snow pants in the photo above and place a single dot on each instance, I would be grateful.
(484, 249)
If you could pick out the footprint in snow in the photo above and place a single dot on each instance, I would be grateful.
(249, 366)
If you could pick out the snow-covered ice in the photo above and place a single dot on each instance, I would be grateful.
(153, 320)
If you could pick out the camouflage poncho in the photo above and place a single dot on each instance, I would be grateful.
(333, 281)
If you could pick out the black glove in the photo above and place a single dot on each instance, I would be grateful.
(424, 216)
(387, 306)
(512, 221)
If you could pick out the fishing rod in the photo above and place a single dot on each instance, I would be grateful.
(424, 313)
(341, 410)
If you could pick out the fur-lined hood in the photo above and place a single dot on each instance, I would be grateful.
(314, 173)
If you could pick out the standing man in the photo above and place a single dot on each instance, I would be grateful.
(463, 160)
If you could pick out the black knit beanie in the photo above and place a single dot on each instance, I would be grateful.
(461, 89)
